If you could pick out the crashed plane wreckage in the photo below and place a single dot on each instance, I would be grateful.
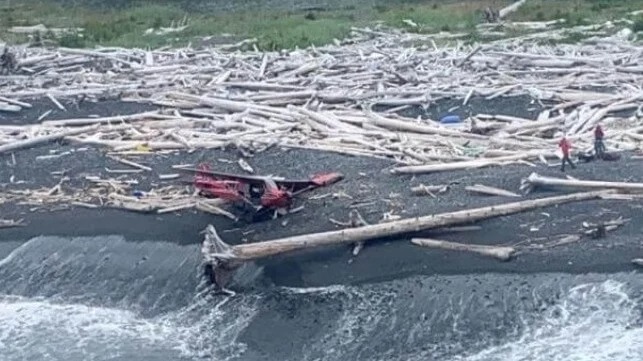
(260, 194)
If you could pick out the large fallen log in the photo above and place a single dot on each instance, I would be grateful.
(501, 253)
(535, 180)
(443, 167)
(246, 252)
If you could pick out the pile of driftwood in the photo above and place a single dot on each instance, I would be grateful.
(342, 98)
(118, 192)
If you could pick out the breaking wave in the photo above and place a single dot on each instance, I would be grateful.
(594, 322)
(490, 317)
(103, 298)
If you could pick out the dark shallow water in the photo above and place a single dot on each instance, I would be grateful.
(103, 298)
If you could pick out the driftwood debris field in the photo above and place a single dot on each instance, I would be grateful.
(344, 98)
(365, 96)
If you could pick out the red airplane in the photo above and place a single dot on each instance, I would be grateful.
(273, 193)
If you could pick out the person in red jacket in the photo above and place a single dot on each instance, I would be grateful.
(599, 146)
(565, 146)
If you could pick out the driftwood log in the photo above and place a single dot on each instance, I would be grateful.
(534, 180)
(9, 223)
(42, 139)
(219, 254)
(511, 8)
(219, 260)
(6, 107)
(499, 252)
(430, 190)
(355, 219)
(471, 164)
(492, 191)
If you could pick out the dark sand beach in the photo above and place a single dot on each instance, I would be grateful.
(368, 187)
(139, 275)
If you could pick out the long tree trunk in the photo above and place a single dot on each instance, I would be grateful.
(535, 180)
(258, 250)
(468, 164)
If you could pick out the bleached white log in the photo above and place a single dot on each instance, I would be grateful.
(498, 252)
(535, 180)
(251, 251)
(479, 188)
(27, 143)
(504, 12)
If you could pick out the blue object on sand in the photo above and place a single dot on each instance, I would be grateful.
(451, 119)
(138, 194)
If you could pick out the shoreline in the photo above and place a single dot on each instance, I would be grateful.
(108, 259)
(380, 260)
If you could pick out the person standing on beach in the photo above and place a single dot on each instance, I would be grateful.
(599, 146)
(565, 146)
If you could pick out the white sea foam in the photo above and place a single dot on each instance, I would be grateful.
(92, 314)
(315, 290)
(37, 329)
(594, 322)
(76, 322)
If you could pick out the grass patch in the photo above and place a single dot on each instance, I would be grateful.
(273, 30)
(576, 12)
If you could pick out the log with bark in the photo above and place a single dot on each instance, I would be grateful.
(252, 251)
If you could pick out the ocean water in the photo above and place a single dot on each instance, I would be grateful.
(104, 298)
